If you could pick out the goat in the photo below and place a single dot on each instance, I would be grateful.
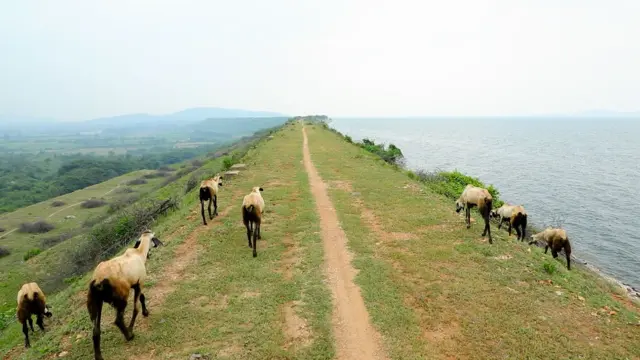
(557, 240)
(475, 196)
(31, 301)
(515, 216)
(252, 209)
(111, 283)
(209, 191)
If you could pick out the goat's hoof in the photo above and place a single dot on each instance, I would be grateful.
(145, 313)
(130, 337)
(255, 254)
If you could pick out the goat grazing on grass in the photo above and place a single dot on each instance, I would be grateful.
(31, 301)
(111, 283)
(252, 209)
(474, 196)
(557, 240)
(515, 216)
(209, 191)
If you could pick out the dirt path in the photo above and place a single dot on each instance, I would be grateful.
(355, 337)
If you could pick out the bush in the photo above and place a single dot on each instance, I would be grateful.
(37, 227)
(156, 174)
(54, 240)
(197, 163)
(107, 238)
(166, 169)
(4, 251)
(191, 184)
(58, 203)
(170, 179)
(349, 139)
(124, 190)
(2, 230)
(123, 202)
(93, 203)
(31, 253)
(227, 163)
(391, 154)
(139, 181)
(550, 268)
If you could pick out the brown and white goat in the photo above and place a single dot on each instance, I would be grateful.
(252, 209)
(209, 191)
(515, 216)
(111, 282)
(31, 301)
(475, 196)
(557, 240)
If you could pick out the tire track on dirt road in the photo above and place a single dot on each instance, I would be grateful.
(355, 336)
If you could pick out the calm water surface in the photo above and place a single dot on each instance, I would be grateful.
(583, 171)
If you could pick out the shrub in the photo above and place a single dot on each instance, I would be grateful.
(166, 169)
(170, 179)
(93, 203)
(191, 184)
(4, 251)
(550, 268)
(123, 202)
(57, 203)
(349, 139)
(452, 183)
(56, 239)
(227, 163)
(124, 190)
(391, 154)
(31, 253)
(2, 230)
(156, 174)
(197, 163)
(139, 181)
(37, 227)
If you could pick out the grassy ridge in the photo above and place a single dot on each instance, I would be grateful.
(438, 290)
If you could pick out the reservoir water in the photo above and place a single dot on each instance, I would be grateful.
(582, 173)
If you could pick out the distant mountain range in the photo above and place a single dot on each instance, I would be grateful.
(26, 125)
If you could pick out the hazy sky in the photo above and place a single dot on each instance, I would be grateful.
(85, 59)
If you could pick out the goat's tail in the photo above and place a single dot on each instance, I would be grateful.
(250, 208)
(99, 292)
(204, 193)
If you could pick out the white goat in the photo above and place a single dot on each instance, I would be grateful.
(31, 300)
(111, 282)
(252, 209)
(475, 196)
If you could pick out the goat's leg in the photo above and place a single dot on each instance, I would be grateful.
(487, 225)
(209, 208)
(554, 253)
(25, 330)
(500, 222)
(204, 220)
(145, 312)
(248, 225)
(256, 230)
(95, 315)
(30, 323)
(546, 248)
(40, 322)
(468, 216)
(259, 233)
(568, 260)
(215, 205)
(518, 232)
(509, 228)
(128, 335)
(136, 296)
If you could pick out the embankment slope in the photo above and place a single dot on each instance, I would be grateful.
(431, 288)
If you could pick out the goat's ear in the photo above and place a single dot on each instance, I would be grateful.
(219, 184)
(156, 242)
(135, 246)
(261, 189)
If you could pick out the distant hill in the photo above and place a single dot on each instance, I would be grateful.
(35, 126)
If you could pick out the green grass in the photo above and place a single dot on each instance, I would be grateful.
(225, 303)
(433, 289)
(436, 290)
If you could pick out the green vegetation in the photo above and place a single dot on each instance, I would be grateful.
(433, 288)
(31, 253)
(436, 290)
